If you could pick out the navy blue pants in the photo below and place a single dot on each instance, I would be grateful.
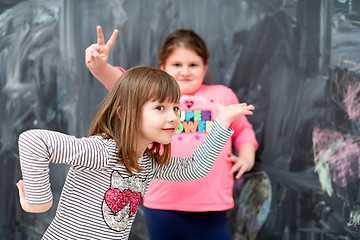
(171, 225)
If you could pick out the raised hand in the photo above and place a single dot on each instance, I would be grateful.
(227, 114)
(96, 56)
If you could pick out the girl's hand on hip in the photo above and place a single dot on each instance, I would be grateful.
(240, 166)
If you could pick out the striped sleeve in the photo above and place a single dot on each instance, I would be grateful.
(199, 165)
(39, 147)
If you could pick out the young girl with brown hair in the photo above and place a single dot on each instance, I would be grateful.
(111, 169)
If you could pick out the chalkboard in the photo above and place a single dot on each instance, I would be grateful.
(298, 62)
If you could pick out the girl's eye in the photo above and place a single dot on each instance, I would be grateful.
(177, 65)
(193, 65)
(160, 108)
(176, 109)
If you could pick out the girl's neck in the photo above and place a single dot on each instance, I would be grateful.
(193, 92)
(141, 147)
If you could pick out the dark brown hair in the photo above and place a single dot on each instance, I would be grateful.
(132, 90)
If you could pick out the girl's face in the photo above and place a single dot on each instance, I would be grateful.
(159, 122)
(187, 67)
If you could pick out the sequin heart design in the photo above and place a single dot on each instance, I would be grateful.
(189, 103)
(117, 200)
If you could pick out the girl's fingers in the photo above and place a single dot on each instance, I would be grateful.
(88, 55)
(94, 53)
(231, 157)
(239, 174)
(248, 109)
(249, 113)
(233, 170)
(101, 39)
(91, 54)
(88, 59)
(100, 35)
(251, 107)
(111, 41)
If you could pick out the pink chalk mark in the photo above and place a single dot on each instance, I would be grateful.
(347, 93)
(352, 100)
(345, 160)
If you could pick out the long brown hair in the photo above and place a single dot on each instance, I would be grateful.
(132, 90)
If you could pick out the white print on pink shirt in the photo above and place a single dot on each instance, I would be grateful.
(189, 98)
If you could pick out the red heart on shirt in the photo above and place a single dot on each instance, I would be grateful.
(117, 200)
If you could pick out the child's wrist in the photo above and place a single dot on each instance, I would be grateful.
(224, 122)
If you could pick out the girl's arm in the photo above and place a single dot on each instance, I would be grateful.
(245, 143)
(243, 140)
(108, 76)
(245, 160)
(96, 60)
(37, 148)
(198, 166)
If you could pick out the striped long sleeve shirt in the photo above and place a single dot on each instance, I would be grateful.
(100, 198)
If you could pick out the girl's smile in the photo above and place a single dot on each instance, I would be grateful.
(169, 129)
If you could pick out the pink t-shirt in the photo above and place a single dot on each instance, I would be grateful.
(214, 192)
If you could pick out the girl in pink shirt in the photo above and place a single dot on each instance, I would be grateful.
(195, 209)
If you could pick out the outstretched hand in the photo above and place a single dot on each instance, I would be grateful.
(96, 56)
(227, 114)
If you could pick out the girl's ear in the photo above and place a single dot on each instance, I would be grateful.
(118, 112)
(162, 67)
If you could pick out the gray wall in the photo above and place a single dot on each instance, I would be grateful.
(296, 61)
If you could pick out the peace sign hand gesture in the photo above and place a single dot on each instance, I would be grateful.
(96, 56)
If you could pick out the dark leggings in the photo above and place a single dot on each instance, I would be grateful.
(169, 225)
